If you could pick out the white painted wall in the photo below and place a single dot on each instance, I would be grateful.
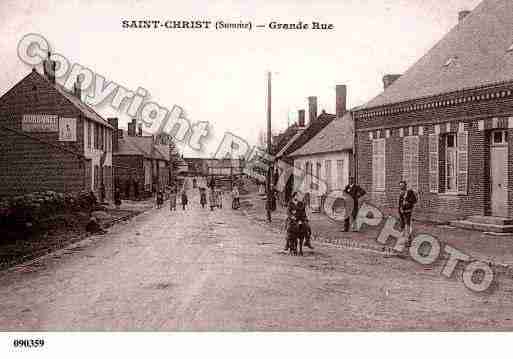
(339, 176)
(95, 154)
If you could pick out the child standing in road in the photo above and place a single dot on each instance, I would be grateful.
(220, 199)
(184, 200)
(203, 197)
(212, 198)
(172, 200)
(160, 199)
(235, 196)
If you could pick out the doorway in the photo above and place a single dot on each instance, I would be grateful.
(499, 173)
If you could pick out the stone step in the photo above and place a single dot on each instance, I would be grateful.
(491, 220)
(483, 227)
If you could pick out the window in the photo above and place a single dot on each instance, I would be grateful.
(500, 137)
(378, 164)
(96, 175)
(89, 134)
(434, 174)
(100, 140)
(450, 61)
(342, 181)
(96, 135)
(452, 149)
(308, 170)
(327, 170)
(318, 168)
(451, 163)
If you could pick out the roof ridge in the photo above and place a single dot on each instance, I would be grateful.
(478, 41)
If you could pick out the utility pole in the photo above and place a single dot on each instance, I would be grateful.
(269, 170)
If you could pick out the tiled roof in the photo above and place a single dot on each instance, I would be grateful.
(285, 137)
(336, 136)
(141, 145)
(478, 47)
(289, 143)
(85, 109)
(313, 128)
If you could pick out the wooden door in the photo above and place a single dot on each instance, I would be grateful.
(499, 174)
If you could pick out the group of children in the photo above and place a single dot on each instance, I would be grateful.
(215, 198)
(159, 200)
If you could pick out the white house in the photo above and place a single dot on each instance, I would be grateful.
(328, 156)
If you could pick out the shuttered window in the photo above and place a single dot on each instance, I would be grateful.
(462, 176)
(434, 177)
(327, 167)
(308, 170)
(342, 182)
(315, 183)
(378, 164)
(411, 161)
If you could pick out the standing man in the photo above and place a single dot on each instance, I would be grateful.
(355, 192)
(117, 197)
(407, 200)
(212, 198)
(212, 182)
(185, 200)
(203, 197)
(235, 198)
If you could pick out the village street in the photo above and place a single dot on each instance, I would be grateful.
(203, 270)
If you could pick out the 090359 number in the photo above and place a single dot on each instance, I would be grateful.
(28, 343)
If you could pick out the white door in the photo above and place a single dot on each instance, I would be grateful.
(499, 173)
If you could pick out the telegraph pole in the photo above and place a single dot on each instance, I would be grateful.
(269, 170)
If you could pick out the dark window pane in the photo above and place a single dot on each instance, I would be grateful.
(497, 137)
(450, 141)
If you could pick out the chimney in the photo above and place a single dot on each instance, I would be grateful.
(77, 88)
(312, 109)
(139, 130)
(389, 79)
(340, 100)
(131, 128)
(49, 67)
(301, 118)
(462, 14)
(113, 121)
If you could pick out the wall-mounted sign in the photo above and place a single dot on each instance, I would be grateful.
(40, 123)
(67, 129)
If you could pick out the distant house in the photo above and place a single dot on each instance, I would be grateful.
(51, 140)
(445, 126)
(142, 164)
(304, 135)
(328, 156)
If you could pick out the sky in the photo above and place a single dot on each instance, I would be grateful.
(220, 76)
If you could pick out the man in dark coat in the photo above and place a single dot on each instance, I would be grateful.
(355, 192)
(407, 200)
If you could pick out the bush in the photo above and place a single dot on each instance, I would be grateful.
(34, 207)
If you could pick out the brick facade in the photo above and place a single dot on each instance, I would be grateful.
(476, 112)
(38, 161)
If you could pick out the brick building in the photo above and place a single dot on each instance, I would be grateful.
(142, 163)
(51, 140)
(445, 125)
